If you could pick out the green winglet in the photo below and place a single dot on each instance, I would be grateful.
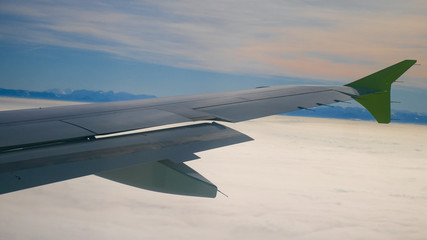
(375, 89)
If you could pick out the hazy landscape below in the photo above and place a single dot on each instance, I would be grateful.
(81, 95)
(302, 178)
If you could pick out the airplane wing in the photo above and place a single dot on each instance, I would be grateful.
(41, 146)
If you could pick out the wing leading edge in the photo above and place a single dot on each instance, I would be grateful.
(41, 146)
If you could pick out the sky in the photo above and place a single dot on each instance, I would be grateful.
(171, 48)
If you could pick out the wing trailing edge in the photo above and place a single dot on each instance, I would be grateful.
(21, 169)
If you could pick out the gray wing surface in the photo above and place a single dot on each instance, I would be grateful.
(35, 126)
(40, 146)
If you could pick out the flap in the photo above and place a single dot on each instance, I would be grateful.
(52, 163)
(164, 176)
(126, 120)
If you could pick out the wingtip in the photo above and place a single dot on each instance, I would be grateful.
(377, 101)
(411, 60)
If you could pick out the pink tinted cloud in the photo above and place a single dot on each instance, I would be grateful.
(265, 38)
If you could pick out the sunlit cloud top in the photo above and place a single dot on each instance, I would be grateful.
(334, 40)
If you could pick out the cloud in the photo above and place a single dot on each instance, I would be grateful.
(332, 40)
(302, 178)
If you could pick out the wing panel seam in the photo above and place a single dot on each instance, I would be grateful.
(259, 99)
(64, 121)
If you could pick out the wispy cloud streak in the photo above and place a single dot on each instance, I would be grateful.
(286, 38)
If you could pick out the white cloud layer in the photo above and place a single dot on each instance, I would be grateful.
(328, 39)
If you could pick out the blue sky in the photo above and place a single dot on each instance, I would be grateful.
(182, 47)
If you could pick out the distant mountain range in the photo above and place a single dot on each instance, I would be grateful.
(356, 113)
(74, 95)
(339, 112)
